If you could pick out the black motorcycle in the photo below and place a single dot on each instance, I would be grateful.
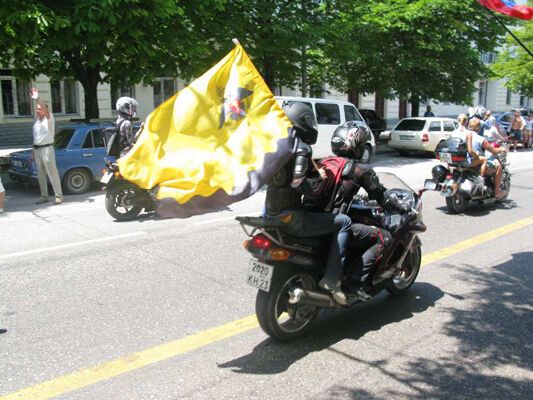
(286, 269)
(124, 200)
(459, 184)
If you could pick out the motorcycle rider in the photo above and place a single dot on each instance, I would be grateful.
(297, 178)
(476, 146)
(127, 110)
(349, 141)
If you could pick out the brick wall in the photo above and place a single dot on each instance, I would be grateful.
(19, 135)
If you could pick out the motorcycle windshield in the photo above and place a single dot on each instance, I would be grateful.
(391, 181)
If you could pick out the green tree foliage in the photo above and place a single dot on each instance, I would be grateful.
(412, 49)
(281, 36)
(95, 41)
(514, 63)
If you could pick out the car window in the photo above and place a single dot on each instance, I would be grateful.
(449, 126)
(328, 114)
(435, 126)
(88, 142)
(506, 118)
(351, 114)
(62, 138)
(410, 125)
(98, 138)
(290, 102)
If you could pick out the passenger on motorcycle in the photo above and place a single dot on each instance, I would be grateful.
(348, 141)
(297, 178)
(127, 109)
(476, 146)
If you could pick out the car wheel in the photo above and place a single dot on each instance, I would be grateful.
(367, 155)
(77, 181)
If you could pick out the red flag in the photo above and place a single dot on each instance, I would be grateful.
(508, 7)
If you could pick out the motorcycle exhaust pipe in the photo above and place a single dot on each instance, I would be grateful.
(311, 298)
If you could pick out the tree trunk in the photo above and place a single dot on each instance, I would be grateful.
(268, 72)
(415, 105)
(304, 72)
(90, 84)
(353, 97)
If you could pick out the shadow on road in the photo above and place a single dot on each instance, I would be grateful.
(491, 361)
(480, 210)
(270, 357)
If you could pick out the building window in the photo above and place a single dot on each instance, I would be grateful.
(164, 88)
(64, 97)
(15, 95)
(508, 97)
(482, 92)
(118, 91)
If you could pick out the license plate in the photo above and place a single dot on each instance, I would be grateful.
(259, 275)
(406, 137)
(106, 178)
(17, 163)
(446, 157)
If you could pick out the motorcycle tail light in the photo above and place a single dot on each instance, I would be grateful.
(280, 254)
(458, 158)
(260, 242)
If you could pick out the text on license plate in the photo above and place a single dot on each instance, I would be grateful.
(406, 137)
(446, 157)
(106, 178)
(259, 275)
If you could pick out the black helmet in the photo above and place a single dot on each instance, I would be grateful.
(349, 140)
(439, 173)
(303, 120)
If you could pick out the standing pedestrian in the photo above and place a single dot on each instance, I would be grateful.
(529, 130)
(428, 112)
(43, 150)
(2, 196)
(518, 123)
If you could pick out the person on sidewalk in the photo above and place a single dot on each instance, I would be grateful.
(428, 112)
(2, 196)
(517, 126)
(43, 150)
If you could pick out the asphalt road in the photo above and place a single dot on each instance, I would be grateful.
(159, 309)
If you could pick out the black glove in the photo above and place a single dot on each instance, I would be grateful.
(392, 204)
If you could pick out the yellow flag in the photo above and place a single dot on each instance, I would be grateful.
(215, 142)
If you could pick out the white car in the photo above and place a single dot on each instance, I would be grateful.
(421, 134)
(330, 114)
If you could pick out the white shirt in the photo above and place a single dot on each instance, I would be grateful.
(44, 131)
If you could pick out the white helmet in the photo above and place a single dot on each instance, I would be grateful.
(128, 106)
(478, 112)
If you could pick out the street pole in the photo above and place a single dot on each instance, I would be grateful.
(509, 31)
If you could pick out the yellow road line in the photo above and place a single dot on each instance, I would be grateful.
(102, 372)
(476, 240)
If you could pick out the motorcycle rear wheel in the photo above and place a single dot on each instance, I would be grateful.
(458, 203)
(279, 319)
(405, 278)
(120, 201)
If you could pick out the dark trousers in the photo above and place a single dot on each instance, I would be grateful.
(371, 242)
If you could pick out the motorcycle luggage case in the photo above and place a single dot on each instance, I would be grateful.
(455, 146)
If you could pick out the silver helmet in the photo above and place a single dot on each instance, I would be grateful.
(128, 106)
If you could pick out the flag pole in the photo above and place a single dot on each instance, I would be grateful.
(509, 31)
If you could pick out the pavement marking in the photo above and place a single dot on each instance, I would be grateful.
(88, 376)
(476, 240)
(65, 246)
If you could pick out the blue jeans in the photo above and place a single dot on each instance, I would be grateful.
(311, 224)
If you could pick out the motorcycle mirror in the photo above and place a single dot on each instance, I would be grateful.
(430, 184)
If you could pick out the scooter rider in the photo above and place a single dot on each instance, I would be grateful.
(127, 110)
(297, 178)
(348, 141)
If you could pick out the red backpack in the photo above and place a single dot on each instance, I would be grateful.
(325, 192)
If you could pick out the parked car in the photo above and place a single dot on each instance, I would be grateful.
(374, 122)
(330, 114)
(421, 134)
(80, 152)
(504, 119)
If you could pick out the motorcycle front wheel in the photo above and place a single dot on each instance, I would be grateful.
(405, 278)
(458, 203)
(120, 201)
(505, 185)
(277, 317)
